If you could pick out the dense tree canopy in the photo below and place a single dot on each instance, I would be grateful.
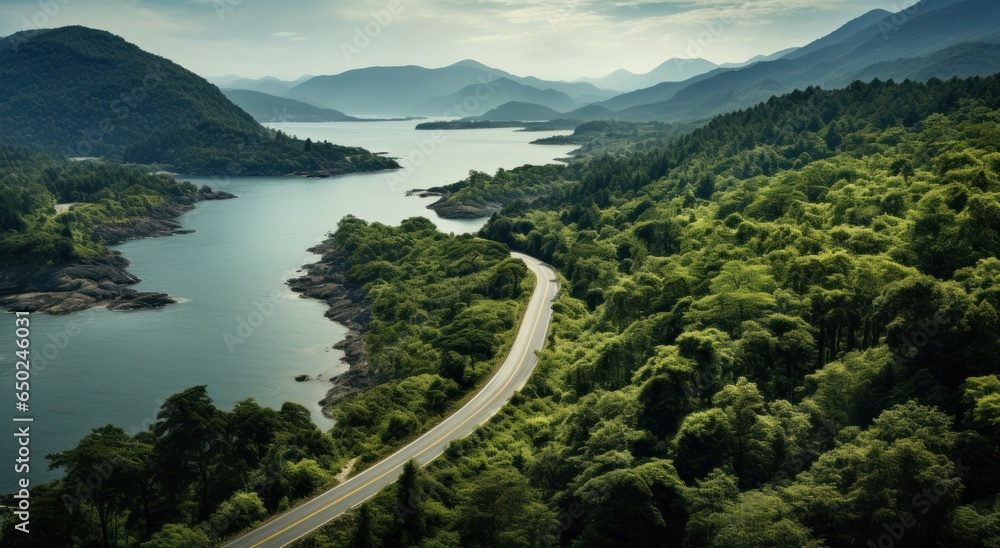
(196, 476)
(780, 330)
(442, 309)
(31, 184)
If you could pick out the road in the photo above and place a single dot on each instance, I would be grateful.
(509, 378)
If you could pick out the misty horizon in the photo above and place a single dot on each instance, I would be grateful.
(562, 40)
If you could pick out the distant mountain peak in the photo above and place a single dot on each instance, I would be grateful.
(623, 72)
(676, 62)
(674, 69)
(844, 31)
(520, 110)
(472, 63)
(934, 38)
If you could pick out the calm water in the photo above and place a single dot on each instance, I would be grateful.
(237, 329)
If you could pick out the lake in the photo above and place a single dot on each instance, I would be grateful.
(238, 329)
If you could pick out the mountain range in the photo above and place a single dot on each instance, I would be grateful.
(80, 92)
(474, 87)
(267, 108)
(267, 84)
(933, 38)
(478, 98)
(409, 90)
(672, 70)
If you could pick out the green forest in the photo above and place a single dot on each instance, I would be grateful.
(486, 194)
(31, 184)
(195, 465)
(780, 330)
(777, 330)
(444, 310)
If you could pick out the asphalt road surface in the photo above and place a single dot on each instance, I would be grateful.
(509, 378)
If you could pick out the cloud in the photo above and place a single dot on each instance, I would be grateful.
(492, 38)
(545, 38)
(292, 36)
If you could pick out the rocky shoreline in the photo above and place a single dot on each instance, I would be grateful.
(325, 281)
(101, 281)
(447, 209)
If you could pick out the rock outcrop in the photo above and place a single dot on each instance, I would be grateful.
(100, 281)
(326, 281)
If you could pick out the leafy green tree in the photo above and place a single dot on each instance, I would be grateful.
(703, 443)
(104, 465)
(739, 293)
(899, 465)
(174, 534)
(498, 509)
(506, 280)
(239, 512)
(670, 393)
(305, 477)
(761, 519)
(409, 527)
(362, 537)
(188, 435)
(649, 495)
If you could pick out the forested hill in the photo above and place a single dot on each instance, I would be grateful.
(77, 91)
(780, 330)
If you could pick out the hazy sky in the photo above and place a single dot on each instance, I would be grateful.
(557, 39)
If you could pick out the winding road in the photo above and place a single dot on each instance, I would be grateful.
(509, 378)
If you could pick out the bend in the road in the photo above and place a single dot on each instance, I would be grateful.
(509, 378)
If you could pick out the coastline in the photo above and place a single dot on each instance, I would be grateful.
(99, 281)
(445, 207)
(325, 281)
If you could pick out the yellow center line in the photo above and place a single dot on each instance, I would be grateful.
(543, 282)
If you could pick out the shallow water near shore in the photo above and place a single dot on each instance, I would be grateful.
(237, 327)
